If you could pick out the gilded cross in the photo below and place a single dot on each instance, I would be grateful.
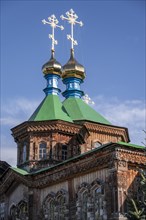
(72, 19)
(53, 22)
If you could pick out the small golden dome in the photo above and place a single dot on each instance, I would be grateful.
(73, 69)
(52, 66)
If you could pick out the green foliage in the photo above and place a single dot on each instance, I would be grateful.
(137, 213)
(137, 209)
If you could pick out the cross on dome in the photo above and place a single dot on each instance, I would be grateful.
(72, 19)
(53, 22)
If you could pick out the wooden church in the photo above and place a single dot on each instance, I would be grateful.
(72, 163)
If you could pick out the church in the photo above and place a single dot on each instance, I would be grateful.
(72, 163)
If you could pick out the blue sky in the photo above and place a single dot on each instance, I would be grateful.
(111, 48)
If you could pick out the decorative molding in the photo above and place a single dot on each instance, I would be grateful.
(104, 129)
(135, 157)
(97, 160)
(27, 128)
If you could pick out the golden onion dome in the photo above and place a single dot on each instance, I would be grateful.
(73, 69)
(52, 66)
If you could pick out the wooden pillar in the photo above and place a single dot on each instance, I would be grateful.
(30, 205)
(30, 151)
(72, 199)
(34, 204)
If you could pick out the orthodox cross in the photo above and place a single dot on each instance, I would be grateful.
(53, 22)
(71, 18)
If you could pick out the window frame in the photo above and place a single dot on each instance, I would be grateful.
(64, 152)
(42, 150)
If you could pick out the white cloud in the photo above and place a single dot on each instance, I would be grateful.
(8, 150)
(9, 121)
(9, 155)
(127, 113)
(13, 112)
(17, 111)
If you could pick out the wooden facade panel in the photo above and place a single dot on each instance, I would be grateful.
(19, 193)
(90, 177)
(55, 188)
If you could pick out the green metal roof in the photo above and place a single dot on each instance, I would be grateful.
(132, 145)
(77, 109)
(20, 171)
(50, 109)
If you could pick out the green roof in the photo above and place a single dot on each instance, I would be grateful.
(50, 109)
(131, 145)
(20, 171)
(77, 109)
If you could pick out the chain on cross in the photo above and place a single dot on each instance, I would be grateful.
(53, 22)
(72, 19)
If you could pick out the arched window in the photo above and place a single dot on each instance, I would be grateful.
(13, 212)
(55, 206)
(52, 209)
(42, 150)
(49, 209)
(61, 208)
(23, 210)
(99, 202)
(91, 201)
(96, 144)
(82, 201)
(84, 205)
(19, 211)
(61, 199)
(2, 210)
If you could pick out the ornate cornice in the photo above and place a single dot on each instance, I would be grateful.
(108, 129)
(98, 160)
(130, 156)
(71, 170)
(45, 126)
(104, 158)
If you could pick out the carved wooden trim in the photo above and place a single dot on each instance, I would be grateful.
(92, 127)
(45, 126)
(130, 156)
(104, 158)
